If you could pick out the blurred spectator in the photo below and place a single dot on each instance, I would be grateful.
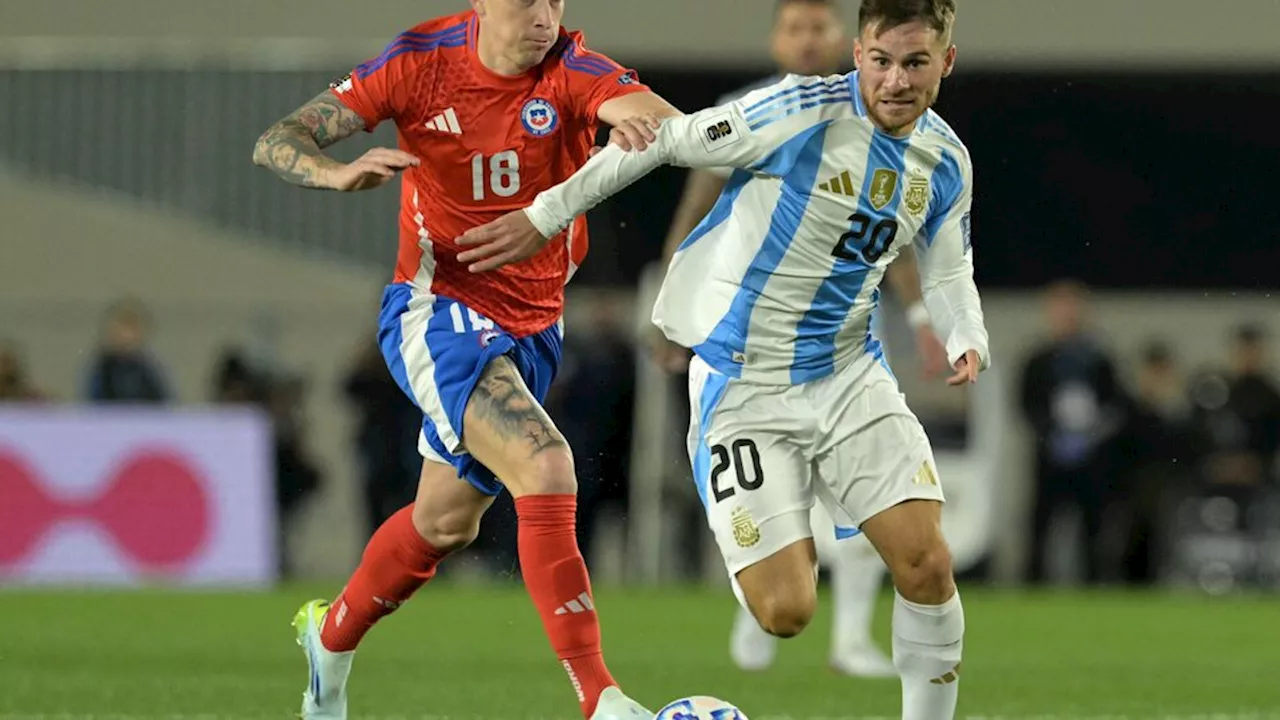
(386, 437)
(1160, 460)
(124, 370)
(297, 475)
(1070, 396)
(592, 402)
(15, 386)
(235, 382)
(1238, 415)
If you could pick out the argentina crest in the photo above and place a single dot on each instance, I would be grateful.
(745, 531)
(884, 185)
(916, 197)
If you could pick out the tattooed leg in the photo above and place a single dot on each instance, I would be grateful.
(507, 431)
(510, 433)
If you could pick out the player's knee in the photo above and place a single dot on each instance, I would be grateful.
(785, 611)
(446, 530)
(549, 472)
(923, 574)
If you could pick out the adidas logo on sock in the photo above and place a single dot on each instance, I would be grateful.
(580, 604)
(446, 121)
(948, 677)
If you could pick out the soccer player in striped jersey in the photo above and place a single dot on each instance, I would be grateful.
(490, 106)
(809, 39)
(773, 291)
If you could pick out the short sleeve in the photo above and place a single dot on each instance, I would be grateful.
(594, 78)
(378, 89)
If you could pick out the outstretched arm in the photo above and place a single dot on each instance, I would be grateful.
(747, 133)
(293, 149)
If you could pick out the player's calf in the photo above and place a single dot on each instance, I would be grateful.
(447, 514)
(781, 590)
(404, 552)
(507, 430)
(928, 619)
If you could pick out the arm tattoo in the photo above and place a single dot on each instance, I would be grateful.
(292, 147)
(501, 400)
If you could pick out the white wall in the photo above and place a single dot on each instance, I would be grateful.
(1012, 33)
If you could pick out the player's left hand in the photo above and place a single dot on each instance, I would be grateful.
(509, 239)
(635, 133)
(966, 369)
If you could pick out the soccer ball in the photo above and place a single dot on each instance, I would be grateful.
(700, 707)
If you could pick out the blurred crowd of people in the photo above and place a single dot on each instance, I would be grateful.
(1136, 450)
(1121, 446)
(124, 369)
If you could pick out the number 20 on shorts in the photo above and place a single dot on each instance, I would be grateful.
(744, 458)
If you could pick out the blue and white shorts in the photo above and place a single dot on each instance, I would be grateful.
(436, 348)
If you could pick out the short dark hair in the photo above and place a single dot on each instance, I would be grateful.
(939, 15)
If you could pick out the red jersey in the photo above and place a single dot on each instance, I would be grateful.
(488, 143)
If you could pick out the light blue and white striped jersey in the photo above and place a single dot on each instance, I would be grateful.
(729, 97)
(778, 283)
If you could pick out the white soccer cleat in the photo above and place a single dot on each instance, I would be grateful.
(751, 648)
(863, 661)
(614, 705)
(326, 695)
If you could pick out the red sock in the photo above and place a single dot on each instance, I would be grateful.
(397, 561)
(556, 577)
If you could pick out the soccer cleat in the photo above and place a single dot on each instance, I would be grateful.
(863, 661)
(326, 695)
(613, 705)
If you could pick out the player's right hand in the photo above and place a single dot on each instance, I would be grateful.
(371, 170)
(966, 369)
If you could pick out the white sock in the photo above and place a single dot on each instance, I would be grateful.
(927, 644)
(749, 645)
(856, 572)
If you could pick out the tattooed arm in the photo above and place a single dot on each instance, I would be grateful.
(293, 149)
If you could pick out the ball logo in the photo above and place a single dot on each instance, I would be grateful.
(153, 505)
(539, 117)
(487, 337)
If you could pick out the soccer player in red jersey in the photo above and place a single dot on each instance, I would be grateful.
(491, 106)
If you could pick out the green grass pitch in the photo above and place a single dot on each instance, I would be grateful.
(457, 652)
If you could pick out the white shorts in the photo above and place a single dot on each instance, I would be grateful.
(761, 454)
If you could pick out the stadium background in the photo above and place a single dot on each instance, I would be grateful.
(1121, 143)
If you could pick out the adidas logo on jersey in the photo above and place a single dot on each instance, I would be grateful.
(580, 604)
(841, 184)
(446, 121)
